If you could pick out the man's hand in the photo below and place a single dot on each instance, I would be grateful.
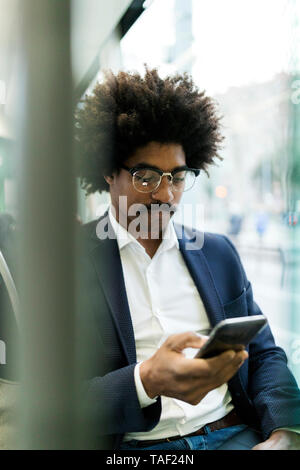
(169, 373)
(280, 440)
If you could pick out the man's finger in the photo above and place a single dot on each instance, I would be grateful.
(222, 359)
(228, 356)
(180, 341)
(227, 362)
(207, 367)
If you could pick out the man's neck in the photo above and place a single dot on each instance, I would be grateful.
(150, 245)
(148, 241)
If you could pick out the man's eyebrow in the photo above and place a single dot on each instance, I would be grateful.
(146, 165)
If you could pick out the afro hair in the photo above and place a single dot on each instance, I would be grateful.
(127, 111)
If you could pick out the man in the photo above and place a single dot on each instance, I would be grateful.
(151, 288)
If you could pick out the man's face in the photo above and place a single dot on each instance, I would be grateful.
(166, 157)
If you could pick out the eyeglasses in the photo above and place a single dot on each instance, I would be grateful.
(148, 179)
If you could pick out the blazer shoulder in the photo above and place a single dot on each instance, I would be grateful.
(211, 240)
(89, 228)
(216, 247)
(87, 236)
(219, 245)
(224, 258)
(218, 241)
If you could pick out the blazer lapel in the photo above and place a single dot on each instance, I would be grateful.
(106, 259)
(199, 269)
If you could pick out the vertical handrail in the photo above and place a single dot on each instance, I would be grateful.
(47, 226)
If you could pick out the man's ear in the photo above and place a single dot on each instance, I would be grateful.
(109, 179)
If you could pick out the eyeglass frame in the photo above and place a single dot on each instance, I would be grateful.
(134, 169)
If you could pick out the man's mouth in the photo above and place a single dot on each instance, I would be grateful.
(166, 208)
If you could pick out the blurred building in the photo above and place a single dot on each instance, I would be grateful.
(181, 54)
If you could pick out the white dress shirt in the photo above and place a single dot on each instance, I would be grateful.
(164, 300)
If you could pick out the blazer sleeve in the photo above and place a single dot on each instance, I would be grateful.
(112, 402)
(272, 387)
(109, 400)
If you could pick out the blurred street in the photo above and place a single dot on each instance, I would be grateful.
(273, 268)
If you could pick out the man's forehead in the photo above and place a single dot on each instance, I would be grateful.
(147, 165)
(163, 156)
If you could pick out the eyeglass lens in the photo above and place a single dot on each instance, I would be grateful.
(146, 180)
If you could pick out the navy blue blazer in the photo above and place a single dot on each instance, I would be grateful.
(264, 391)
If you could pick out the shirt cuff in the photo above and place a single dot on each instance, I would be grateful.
(142, 395)
(295, 429)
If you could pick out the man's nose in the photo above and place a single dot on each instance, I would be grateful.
(164, 192)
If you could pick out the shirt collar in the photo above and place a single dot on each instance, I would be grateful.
(125, 238)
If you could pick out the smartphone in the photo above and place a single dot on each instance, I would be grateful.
(232, 333)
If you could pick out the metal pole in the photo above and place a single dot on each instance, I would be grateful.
(47, 213)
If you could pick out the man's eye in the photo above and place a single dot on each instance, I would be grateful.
(145, 178)
(178, 180)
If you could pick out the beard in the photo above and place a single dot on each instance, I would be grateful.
(148, 221)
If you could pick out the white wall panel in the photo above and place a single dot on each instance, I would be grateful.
(92, 23)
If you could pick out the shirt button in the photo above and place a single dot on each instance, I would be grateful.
(182, 421)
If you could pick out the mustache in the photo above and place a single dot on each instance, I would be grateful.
(159, 207)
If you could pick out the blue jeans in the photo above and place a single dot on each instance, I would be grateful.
(239, 437)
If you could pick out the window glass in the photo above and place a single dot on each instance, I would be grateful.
(244, 54)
